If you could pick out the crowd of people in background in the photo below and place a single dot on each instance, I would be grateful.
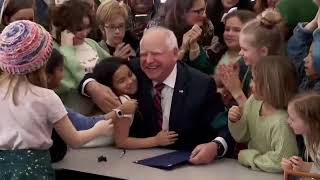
(219, 78)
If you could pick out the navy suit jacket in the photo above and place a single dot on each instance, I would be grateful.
(195, 104)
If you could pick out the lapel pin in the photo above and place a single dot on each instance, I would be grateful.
(181, 91)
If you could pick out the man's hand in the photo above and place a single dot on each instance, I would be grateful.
(102, 96)
(204, 153)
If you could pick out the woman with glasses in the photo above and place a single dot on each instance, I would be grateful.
(81, 53)
(112, 18)
(194, 32)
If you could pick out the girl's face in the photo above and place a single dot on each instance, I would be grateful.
(249, 53)
(55, 78)
(228, 4)
(308, 65)
(23, 14)
(231, 33)
(295, 122)
(82, 33)
(254, 88)
(124, 81)
(197, 13)
(115, 30)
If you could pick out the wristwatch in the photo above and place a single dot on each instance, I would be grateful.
(120, 114)
(220, 150)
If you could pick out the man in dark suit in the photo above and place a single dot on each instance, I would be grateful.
(175, 97)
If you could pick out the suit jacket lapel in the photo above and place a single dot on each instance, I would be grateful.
(178, 98)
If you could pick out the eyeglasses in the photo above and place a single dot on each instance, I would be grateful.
(115, 28)
(200, 11)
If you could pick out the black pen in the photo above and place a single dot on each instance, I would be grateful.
(122, 153)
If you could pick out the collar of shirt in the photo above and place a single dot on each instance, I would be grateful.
(170, 81)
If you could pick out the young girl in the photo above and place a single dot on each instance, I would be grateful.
(303, 50)
(259, 37)
(81, 54)
(262, 121)
(55, 73)
(116, 73)
(304, 119)
(234, 21)
(29, 111)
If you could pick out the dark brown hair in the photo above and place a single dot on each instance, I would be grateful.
(243, 15)
(260, 6)
(276, 80)
(69, 16)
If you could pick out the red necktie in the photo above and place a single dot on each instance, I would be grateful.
(157, 102)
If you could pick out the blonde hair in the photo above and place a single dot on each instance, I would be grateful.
(306, 105)
(276, 80)
(12, 82)
(107, 10)
(265, 30)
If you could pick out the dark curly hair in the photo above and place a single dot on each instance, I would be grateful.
(69, 16)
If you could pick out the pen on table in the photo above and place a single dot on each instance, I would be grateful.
(122, 153)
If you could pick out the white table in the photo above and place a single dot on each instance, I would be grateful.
(85, 160)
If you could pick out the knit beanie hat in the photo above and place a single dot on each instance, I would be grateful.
(25, 47)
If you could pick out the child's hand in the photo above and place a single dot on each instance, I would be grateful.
(230, 78)
(129, 107)
(299, 165)
(123, 51)
(286, 164)
(104, 128)
(234, 114)
(165, 137)
(67, 38)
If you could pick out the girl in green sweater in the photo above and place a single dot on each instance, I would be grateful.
(262, 121)
(81, 53)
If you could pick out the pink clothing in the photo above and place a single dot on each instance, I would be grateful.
(29, 123)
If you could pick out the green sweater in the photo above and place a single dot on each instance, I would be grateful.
(269, 138)
(73, 74)
(295, 11)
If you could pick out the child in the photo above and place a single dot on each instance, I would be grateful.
(116, 73)
(29, 111)
(304, 119)
(262, 123)
(55, 73)
(81, 54)
(234, 22)
(259, 37)
(303, 50)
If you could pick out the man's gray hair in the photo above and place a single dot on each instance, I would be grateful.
(171, 39)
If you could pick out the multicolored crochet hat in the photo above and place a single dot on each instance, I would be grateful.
(25, 47)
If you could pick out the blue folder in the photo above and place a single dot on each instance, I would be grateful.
(166, 161)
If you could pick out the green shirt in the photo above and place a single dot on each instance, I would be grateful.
(269, 138)
(73, 74)
(295, 11)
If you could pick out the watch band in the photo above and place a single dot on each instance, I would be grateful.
(220, 150)
(120, 114)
